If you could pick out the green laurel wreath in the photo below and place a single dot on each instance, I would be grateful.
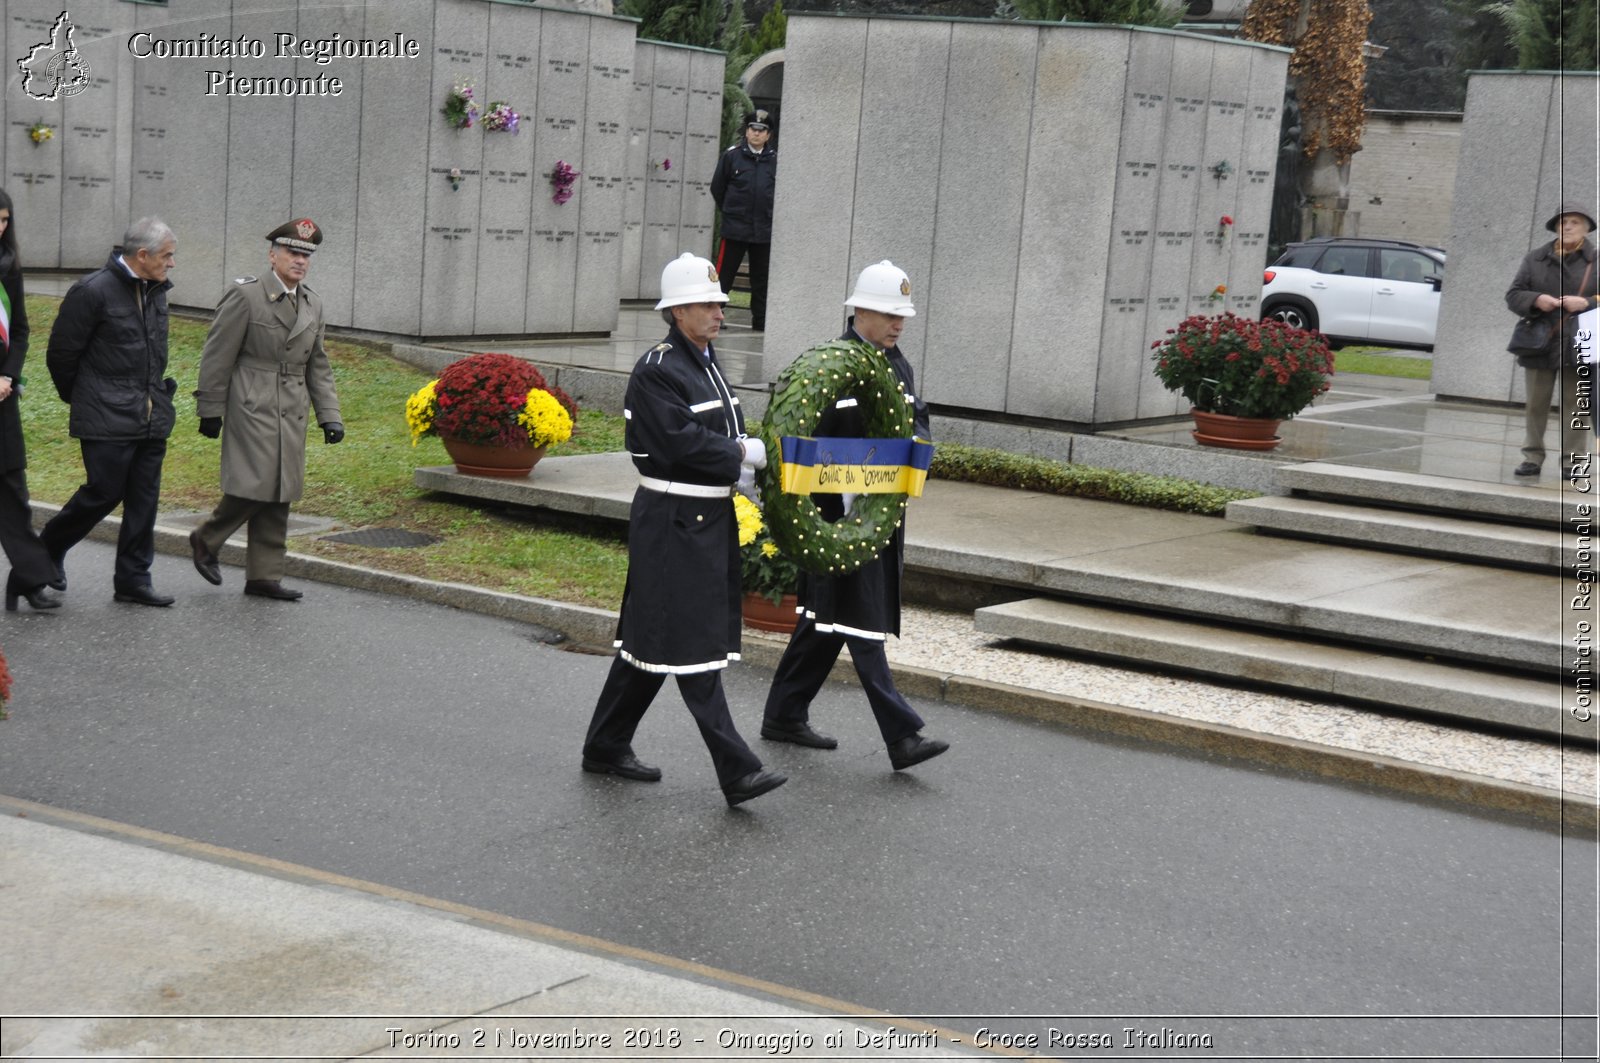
(805, 390)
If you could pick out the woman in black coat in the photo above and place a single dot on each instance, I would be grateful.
(32, 571)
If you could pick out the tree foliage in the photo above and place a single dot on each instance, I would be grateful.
(1550, 34)
(1162, 13)
(1329, 65)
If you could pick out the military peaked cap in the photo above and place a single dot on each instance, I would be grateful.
(302, 235)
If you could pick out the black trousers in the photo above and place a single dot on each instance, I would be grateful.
(729, 256)
(119, 473)
(806, 663)
(31, 566)
(628, 692)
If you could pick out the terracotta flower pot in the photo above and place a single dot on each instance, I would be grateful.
(1239, 433)
(761, 614)
(476, 459)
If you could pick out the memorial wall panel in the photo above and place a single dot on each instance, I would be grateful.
(977, 230)
(1060, 281)
(1131, 253)
(701, 149)
(558, 127)
(400, 101)
(1497, 215)
(605, 153)
(1175, 237)
(663, 196)
(326, 173)
(811, 253)
(508, 183)
(261, 155)
(33, 172)
(633, 280)
(90, 138)
(450, 248)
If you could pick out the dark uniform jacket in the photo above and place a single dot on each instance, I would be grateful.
(680, 610)
(12, 454)
(743, 186)
(1543, 272)
(865, 603)
(108, 356)
(262, 368)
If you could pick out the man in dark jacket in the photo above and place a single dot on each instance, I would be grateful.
(1558, 278)
(743, 187)
(862, 609)
(680, 607)
(108, 359)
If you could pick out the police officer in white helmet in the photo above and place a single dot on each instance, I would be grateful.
(680, 608)
(862, 609)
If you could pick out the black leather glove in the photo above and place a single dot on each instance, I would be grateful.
(211, 427)
(332, 432)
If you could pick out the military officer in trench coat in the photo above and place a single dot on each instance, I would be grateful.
(263, 366)
(680, 607)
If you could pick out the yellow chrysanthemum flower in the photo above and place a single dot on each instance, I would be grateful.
(546, 420)
(749, 517)
(420, 410)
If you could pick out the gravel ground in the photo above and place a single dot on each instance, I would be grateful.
(946, 642)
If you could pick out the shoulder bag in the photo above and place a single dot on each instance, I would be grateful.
(1533, 336)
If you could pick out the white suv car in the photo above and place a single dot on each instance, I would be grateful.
(1357, 291)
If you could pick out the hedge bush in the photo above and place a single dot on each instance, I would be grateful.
(999, 468)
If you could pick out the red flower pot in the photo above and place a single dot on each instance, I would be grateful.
(761, 614)
(1238, 433)
(475, 459)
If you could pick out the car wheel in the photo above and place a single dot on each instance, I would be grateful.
(1292, 312)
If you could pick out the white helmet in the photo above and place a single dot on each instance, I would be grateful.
(689, 279)
(884, 288)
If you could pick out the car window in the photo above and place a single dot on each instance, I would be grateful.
(1344, 261)
(1299, 257)
(1407, 266)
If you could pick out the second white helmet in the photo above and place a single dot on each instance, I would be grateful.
(689, 279)
(884, 287)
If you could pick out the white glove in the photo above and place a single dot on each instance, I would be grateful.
(755, 452)
(848, 501)
(747, 483)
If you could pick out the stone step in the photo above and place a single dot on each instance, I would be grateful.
(1482, 696)
(1547, 505)
(1413, 531)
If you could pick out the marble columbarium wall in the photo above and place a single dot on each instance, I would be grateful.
(174, 122)
(1528, 141)
(1055, 192)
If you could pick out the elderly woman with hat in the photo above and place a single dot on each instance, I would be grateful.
(1558, 278)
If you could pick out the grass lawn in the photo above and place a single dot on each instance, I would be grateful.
(364, 481)
(1378, 361)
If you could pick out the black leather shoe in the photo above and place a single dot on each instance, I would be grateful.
(753, 785)
(37, 598)
(271, 588)
(143, 596)
(800, 734)
(1527, 468)
(914, 749)
(205, 562)
(628, 766)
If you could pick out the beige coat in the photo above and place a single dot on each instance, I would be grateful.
(262, 368)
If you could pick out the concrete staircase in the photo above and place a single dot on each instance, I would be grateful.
(1472, 633)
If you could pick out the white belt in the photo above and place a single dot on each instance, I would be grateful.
(670, 487)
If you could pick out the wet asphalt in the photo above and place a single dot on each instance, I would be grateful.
(1031, 871)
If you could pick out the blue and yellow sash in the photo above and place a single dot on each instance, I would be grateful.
(853, 466)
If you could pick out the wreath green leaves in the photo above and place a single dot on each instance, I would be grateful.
(804, 391)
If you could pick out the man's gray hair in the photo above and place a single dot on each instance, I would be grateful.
(147, 234)
(666, 315)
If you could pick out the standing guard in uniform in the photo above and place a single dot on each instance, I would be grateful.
(680, 608)
(263, 365)
(744, 186)
(861, 609)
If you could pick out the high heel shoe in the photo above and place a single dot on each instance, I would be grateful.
(39, 598)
